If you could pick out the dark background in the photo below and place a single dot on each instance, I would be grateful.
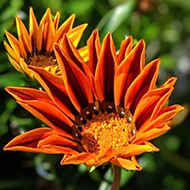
(164, 25)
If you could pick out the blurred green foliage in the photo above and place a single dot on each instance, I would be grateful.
(164, 24)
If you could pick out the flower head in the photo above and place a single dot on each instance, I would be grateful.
(104, 111)
(36, 46)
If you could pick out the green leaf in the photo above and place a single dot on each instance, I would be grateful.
(11, 10)
(108, 178)
(11, 79)
(173, 143)
(15, 184)
(126, 176)
(168, 62)
(82, 168)
(148, 163)
(5, 116)
(80, 7)
(43, 167)
(114, 18)
(92, 169)
(95, 176)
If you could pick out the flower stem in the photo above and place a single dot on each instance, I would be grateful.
(117, 177)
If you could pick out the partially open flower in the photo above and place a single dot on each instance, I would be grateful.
(104, 111)
(36, 46)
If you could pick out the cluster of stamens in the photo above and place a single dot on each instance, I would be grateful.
(42, 61)
(101, 129)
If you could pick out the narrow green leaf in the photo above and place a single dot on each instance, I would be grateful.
(114, 18)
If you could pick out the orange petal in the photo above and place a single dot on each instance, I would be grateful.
(93, 44)
(168, 113)
(150, 104)
(56, 20)
(29, 141)
(54, 86)
(15, 64)
(55, 149)
(23, 93)
(16, 45)
(102, 158)
(151, 134)
(59, 144)
(39, 38)
(143, 83)
(33, 27)
(160, 104)
(48, 31)
(104, 76)
(137, 149)
(70, 51)
(49, 114)
(24, 67)
(76, 83)
(76, 33)
(84, 53)
(125, 49)
(56, 139)
(49, 38)
(127, 71)
(48, 35)
(23, 35)
(170, 82)
(165, 115)
(64, 28)
(12, 53)
(80, 158)
(127, 163)
(42, 107)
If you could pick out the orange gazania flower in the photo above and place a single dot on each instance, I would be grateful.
(36, 46)
(104, 111)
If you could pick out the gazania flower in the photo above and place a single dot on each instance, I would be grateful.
(36, 46)
(104, 111)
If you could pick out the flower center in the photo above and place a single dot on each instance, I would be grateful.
(47, 62)
(42, 61)
(107, 130)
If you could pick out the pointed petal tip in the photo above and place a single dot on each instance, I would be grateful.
(180, 108)
(158, 60)
(130, 37)
(12, 91)
(58, 13)
(73, 16)
(31, 9)
(18, 19)
(109, 34)
(56, 45)
(84, 25)
(4, 43)
(7, 33)
(95, 31)
(9, 89)
(108, 38)
(141, 43)
(5, 148)
(48, 10)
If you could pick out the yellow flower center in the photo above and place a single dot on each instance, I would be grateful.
(49, 63)
(107, 130)
(42, 61)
